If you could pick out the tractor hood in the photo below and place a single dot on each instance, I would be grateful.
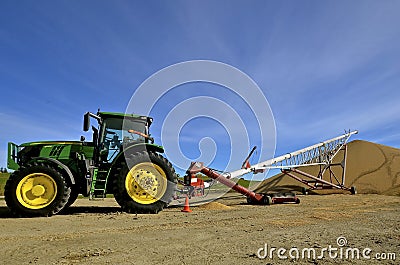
(63, 151)
(51, 143)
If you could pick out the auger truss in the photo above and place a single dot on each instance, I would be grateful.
(321, 154)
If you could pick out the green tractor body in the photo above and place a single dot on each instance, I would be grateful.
(121, 160)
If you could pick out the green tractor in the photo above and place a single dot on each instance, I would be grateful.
(121, 159)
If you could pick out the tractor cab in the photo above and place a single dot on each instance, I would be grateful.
(116, 132)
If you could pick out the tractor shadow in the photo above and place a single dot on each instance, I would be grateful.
(73, 210)
(230, 199)
(5, 213)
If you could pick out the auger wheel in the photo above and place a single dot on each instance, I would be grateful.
(145, 183)
(36, 189)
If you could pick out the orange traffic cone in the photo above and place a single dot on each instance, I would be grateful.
(186, 208)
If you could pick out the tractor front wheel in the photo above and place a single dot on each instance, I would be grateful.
(36, 189)
(145, 183)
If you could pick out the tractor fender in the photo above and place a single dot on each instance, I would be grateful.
(142, 147)
(137, 148)
(58, 163)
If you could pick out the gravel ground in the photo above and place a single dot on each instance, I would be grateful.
(97, 232)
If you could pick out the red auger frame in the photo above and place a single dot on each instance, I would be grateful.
(252, 197)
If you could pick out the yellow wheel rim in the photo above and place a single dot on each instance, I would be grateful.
(36, 190)
(146, 183)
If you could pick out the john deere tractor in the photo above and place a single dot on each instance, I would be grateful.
(121, 159)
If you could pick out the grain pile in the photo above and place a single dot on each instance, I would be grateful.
(371, 168)
(214, 206)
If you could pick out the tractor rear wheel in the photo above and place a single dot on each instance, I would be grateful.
(72, 198)
(145, 183)
(36, 189)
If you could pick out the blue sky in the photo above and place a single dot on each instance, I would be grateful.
(324, 66)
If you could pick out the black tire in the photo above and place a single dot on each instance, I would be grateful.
(130, 203)
(22, 203)
(72, 198)
(304, 191)
(249, 200)
(353, 190)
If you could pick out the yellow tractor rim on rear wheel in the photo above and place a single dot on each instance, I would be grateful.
(146, 183)
(36, 191)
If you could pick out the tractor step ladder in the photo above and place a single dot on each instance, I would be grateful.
(320, 154)
(98, 185)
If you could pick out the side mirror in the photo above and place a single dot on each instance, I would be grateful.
(86, 122)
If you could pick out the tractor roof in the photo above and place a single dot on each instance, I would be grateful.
(119, 115)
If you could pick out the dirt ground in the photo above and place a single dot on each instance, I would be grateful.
(224, 232)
